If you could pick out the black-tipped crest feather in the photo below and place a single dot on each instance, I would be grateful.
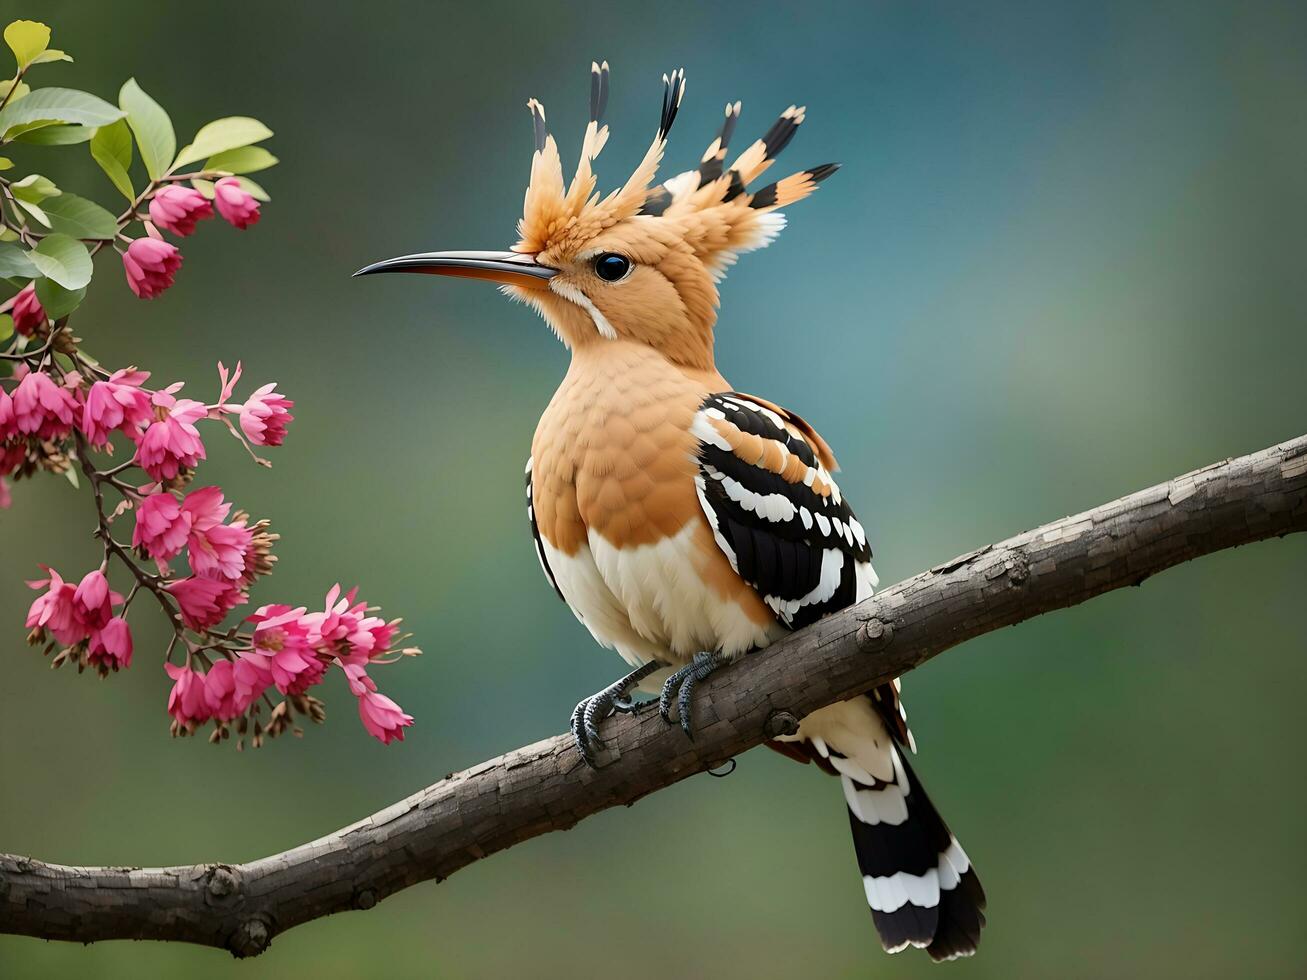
(711, 168)
(673, 92)
(538, 123)
(767, 196)
(598, 92)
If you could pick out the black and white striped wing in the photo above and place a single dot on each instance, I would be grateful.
(776, 511)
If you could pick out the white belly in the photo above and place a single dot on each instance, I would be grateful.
(650, 603)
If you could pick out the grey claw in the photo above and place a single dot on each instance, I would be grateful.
(591, 717)
(665, 695)
(580, 735)
(683, 705)
(587, 715)
(684, 681)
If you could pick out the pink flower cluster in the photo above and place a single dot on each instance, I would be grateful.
(225, 558)
(38, 408)
(292, 650)
(82, 613)
(151, 263)
(162, 425)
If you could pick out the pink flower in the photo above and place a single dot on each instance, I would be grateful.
(27, 312)
(172, 442)
(265, 415)
(177, 208)
(344, 630)
(161, 526)
(187, 702)
(112, 645)
(41, 408)
(6, 501)
(93, 601)
(251, 678)
(119, 403)
(382, 717)
(204, 601)
(55, 610)
(217, 550)
(205, 508)
(221, 551)
(150, 264)
(220, 692)
(234, 203)
(8, 427)
(283, 648)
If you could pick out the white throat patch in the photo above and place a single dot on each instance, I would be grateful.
(570, 292)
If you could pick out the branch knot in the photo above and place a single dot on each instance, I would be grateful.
(780, 723)
(223, 886)
(251, 938)
(875, 635)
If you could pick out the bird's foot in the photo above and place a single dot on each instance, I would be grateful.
(610, 701)
(684, 680)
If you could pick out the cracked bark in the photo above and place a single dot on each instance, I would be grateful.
(545, 786)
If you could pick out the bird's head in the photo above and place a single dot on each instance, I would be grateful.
(641, 264)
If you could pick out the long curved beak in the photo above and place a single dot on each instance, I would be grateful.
(507, 267)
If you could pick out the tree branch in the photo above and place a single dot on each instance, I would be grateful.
(545, 786)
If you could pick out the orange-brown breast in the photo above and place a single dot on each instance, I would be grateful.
(613, 454)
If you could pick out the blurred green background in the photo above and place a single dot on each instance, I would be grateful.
(1065, 260)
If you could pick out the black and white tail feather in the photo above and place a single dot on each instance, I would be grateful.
(919, 883)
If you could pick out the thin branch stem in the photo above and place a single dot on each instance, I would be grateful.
(18, 78)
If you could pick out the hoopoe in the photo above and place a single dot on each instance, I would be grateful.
(686, 523)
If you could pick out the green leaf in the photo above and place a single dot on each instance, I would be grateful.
(36, 211)
(42, 134)
(29, 192)
(63, 105)
(34, 188)
(153, 128)
(27, 39)
(80, 218)
(205, 187)
(220, 136)
(57, 301)
(14, 263)
(20, 129)
(22, 89)
(51, 54)
(6, 327)
(253, 189)
(63, 259)
(243, 160)
(6, 163)
(111, 146)
(7, 234)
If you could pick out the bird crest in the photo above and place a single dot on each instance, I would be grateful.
(710, 207)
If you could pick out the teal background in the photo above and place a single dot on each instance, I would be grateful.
(1064, 260)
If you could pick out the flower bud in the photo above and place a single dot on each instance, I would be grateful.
(176, 209)
(150, 264)
(235, 203)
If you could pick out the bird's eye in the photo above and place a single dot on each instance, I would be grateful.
(610, 267)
